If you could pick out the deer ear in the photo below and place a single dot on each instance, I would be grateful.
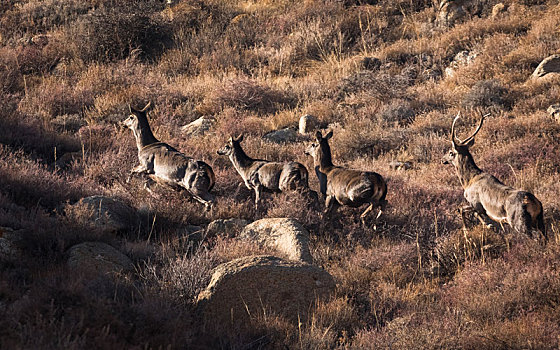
(318, 135)
(470, 143)
(329, 135)
(239, 138)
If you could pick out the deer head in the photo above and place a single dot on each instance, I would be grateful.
(228, 148)
(460, 149)
(137, 119)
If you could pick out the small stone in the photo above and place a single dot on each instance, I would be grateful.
(554, 111)
(498, 9)
(400, 165)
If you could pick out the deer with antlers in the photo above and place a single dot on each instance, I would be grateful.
(166, 165)
(263, 175)
(487, 197)
(342, 186)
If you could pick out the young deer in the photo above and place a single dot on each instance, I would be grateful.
(259, 175)
(165, 165)
(488, 198)
(346, 186)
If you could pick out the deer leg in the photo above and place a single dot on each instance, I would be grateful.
(136, 170)
(330, 203)
(258, 190)
(365, 213)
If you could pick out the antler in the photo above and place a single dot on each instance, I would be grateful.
(468, 139)
(454, 137)
(146, 107)
(456, 140)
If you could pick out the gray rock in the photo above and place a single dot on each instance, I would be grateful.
(199, 126)
(282, 136)
(285, 235)
(307, 124)
(554, 111)
(551, 64)
(105, 213)
(450, 11)
(98, 257)
(498, 9)
(461, 59)
(400, 165)
(9, 239)
(245, 288)
(226, 227)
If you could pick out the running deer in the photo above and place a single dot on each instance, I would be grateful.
(259, 175)
(165, 165)
(487, 197)
(343, 186)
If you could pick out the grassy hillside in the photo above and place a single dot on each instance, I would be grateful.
(373, 71)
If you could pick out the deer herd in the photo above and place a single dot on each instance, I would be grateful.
(487, 198)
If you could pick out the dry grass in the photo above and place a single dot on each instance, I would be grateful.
(417, 282)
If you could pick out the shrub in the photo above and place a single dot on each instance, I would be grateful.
(246, 94)
(487, 94)
(110, 34)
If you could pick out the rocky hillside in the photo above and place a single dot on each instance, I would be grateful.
(91, 260)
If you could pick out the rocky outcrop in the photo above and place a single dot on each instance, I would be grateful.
(225, 227)
(199, 126)
(282, 136)
(104, 213)
(98, 257)
(285, 235)
(245, 288)
(549, 65)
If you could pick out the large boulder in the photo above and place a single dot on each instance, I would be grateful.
(199, 126)
(549, 65)
(245, 288)
(226, 227)
(104, 213)
(98, 257)
(286, 235)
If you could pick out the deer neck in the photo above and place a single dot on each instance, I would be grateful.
(467, 169)
(144, 137)
(324, 159)
(240, 159)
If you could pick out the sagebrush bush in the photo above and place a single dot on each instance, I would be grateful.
(113, 33)
(488, 95)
